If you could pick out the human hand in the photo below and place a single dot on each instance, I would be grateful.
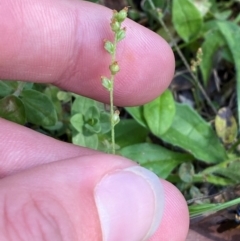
(52, 190)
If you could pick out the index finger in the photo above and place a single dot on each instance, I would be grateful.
(61, 42)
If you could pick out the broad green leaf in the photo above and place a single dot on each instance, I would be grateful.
(190, 132)
(231, 32)
(213, 41)
(186, 18)
(81, 104)
(203, 6)
(159, 113)
(154, 157)
(39, 109)
(77, 122)
(137, 113)
(129, 132)
(5, 88)
(86, 141)
(12, 108)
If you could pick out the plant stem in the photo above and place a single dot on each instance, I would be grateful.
(111, 98)
(195, 79)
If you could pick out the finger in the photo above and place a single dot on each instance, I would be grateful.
(175, 221)
(22, 148)
(61, 42)
(85, 199)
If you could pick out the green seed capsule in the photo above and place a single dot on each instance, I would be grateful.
(114, 67)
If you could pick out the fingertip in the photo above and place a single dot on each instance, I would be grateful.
(130, 204)
(147, 65)
(175, 221)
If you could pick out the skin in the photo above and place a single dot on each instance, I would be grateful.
(46, 186)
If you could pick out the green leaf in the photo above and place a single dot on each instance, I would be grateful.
(107, 83)
(186, 18)
(64, 96)
(12, 108)
(203, 6)
(52, 92)
(5, 88)
(109, 47)
(77, 122)
(231, 171)
(137, 113)
(190, 132)
(159, 113)
(155, 158)
(96, 128)
(39, 109)
(231, 32)
(197, 210)
(81, 105)
(186, 172)
(223, 15)
(157, 3)
(91, 119)
(213, 41)
(105, 122)
(129, 132)
(120, 35)
(86, 141)
(92, 113)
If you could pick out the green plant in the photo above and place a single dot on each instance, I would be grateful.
(111, 48)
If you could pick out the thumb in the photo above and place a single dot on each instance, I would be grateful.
(98, 197)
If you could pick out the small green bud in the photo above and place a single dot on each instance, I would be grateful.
(115, 14)
(109, 46)
(114, 67)
(115, 25)
(122, 15)
(116, 117)
(121, 34)
(107, 83)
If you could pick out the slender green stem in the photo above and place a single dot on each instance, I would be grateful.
(111, 47)
(112, 120)
(111, 98)
(195, 79)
